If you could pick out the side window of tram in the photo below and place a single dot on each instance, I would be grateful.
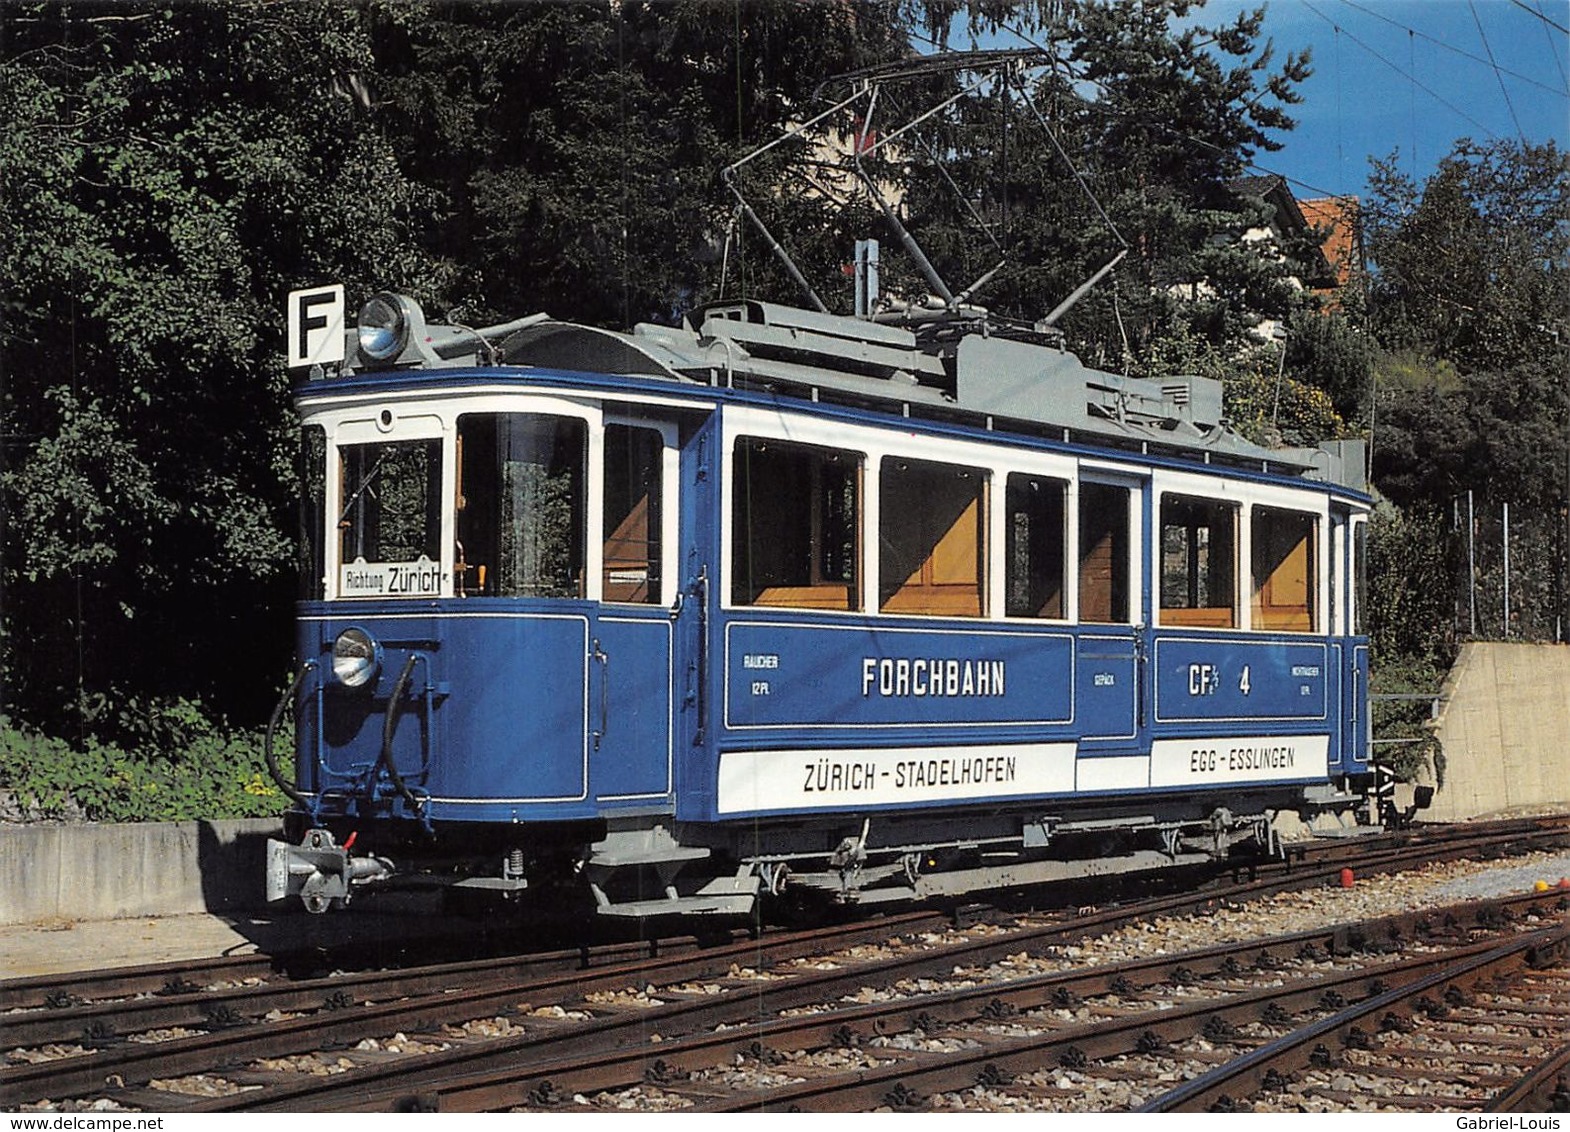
(795, 523)
(521, 513)
(932, 538)
(1284, 570)
(1103, 553)
(1198, 562)
(1034, 524)
(391, 507)
(631, 547)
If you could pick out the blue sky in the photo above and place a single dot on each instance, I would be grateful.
(1413, 76)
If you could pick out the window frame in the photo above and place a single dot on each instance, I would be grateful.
(986, 577)
(1200, 614)
(670, 512)
(855, 588)
(348, 424)
(389, 423)
(1137, 491)
(1067, 545)
(587, 516)
(1317, 570)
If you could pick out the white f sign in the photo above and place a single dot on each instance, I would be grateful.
(316, 326)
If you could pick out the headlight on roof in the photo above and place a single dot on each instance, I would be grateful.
(385, 323)
(357, 658)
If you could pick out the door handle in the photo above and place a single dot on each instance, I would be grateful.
(603, 659)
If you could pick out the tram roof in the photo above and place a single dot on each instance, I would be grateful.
(937, 360)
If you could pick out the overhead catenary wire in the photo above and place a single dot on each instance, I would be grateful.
(1553, 45)
(1501, 79)
(1411, 59)
(1435, 95)
(1340, 117)
(1450, 47)
(1540, 14)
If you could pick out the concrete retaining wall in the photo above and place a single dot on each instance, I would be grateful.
(1504, 727)
(105, 872)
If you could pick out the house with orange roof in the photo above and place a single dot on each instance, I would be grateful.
(1341, 221)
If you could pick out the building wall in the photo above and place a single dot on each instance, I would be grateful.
(1504, 727)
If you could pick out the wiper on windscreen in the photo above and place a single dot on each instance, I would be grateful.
(364, 484)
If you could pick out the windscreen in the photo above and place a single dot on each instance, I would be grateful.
(390, 519)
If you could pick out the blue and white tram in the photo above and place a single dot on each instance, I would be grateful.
(780, 601)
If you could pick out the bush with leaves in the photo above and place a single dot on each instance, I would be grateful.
(1401, 725)
(183, 768)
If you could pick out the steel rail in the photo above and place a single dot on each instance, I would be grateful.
(36, 992)
(375, 944)
(39, 991)
(903, 1083)
(88, 1073)
(1247, 1075)
(512, 1071)
(179, 1001)
(1544, 1089)
(136, 1063)
(898, 1083)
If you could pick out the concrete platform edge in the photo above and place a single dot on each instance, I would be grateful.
(93, 871)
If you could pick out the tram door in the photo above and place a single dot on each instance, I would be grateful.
(1110, 673)
(1349, 640)
(630, 673)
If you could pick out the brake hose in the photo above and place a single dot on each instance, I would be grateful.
(394, 709)
(267, 743)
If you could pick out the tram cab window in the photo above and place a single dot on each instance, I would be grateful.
(390, 510)
(1103, 553)
(520, 503)
(630, 558)
(1198, 562)
(795, 526)
(1033, 529)
(1285, 566)
(932, 538)
(312, 551)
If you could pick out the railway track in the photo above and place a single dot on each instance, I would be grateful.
(1465, 1030)
(1370, 853)
(1147, 1020)
(526, 1031)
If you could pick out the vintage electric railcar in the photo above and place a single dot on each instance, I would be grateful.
(779, 602)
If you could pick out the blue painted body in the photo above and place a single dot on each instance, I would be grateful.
(555, 710)
(511, 714)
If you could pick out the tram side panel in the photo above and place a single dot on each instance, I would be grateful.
(819, 716)
(1233, 710)
(808, 712)
(494, 723)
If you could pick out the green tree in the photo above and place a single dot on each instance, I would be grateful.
(1470, 296)
(1136, 137)
(170, 171)
(1333, 351)
(576, 146)
(1471, 264)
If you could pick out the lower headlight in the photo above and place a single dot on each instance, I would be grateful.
(356, 658)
